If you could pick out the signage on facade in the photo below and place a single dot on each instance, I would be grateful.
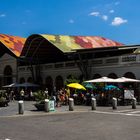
(51, 105)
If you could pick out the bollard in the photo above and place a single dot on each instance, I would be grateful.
(114, 103)
(71, 104)
(46, 106)
(20, 107)
(134, 103)
(93, 104)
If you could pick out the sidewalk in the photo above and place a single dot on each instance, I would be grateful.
(29, 109)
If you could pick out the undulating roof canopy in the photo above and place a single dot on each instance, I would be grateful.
(70, 43)
(12, 44)
(54, 47)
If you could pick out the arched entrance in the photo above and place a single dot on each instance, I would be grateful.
(39, 81)
(96, 76)
(8, 79)
(22, 80)
(133, 86)
(113, 75)
(130, 75)
(49, 84)
(30, 80)
(59, 83)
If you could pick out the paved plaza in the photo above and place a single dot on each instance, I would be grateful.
(102, 124)
(29, 110)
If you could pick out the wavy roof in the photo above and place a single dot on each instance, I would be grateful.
(69, 43)
(13, 43)
(64, 43)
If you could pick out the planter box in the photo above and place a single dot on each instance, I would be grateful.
(40, 107)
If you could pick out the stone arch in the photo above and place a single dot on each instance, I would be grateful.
(39, 80)
(49, 84)
(30, 80)
(59, 82)
(113, 75)
(96, 76)
(132, 85)
(8, 78)
(130, 75)
(22, 80)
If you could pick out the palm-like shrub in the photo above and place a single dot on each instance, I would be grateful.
(39, 96)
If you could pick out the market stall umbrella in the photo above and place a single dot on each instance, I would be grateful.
(111, 87)
(124, 79)
(10, 86)
(76, 86)
(89, 86)
(102, 80)
(26, 84)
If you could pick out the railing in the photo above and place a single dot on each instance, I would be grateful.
(130, 58)
(120, 60)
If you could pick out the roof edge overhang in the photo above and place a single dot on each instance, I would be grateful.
(37, 36)
(9, 51)
(113, 48)
(13, 44)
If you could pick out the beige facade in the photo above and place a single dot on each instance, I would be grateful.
(125, 65)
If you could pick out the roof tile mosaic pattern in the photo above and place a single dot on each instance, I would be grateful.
(13, 43)
(70, 43)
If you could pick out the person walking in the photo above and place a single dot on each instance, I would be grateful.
(22, 93)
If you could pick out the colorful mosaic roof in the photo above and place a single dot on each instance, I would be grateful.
(13, 43)
(69, 43)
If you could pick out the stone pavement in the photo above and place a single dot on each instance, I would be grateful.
(29, 109)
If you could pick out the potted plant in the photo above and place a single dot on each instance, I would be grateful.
(40, 100)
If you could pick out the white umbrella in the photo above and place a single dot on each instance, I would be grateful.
(11, 85)
(124, 79)
(101, 80)
(110, 80)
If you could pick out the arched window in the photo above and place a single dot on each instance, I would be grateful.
(30, 80)
(49, 84)
(8, 75)
(130, 85)
(22, 80)
(59, 83)
(96, 76)
(113, 75)
(130, 75)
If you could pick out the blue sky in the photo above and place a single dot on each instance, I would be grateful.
(118, 20)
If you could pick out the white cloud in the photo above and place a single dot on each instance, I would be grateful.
(117, 3)
(2, 15)
(96, 14)
(71, 21)
(105, 17)
(118, 21)
(111, 11)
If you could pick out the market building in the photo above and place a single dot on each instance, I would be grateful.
(49, 59)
